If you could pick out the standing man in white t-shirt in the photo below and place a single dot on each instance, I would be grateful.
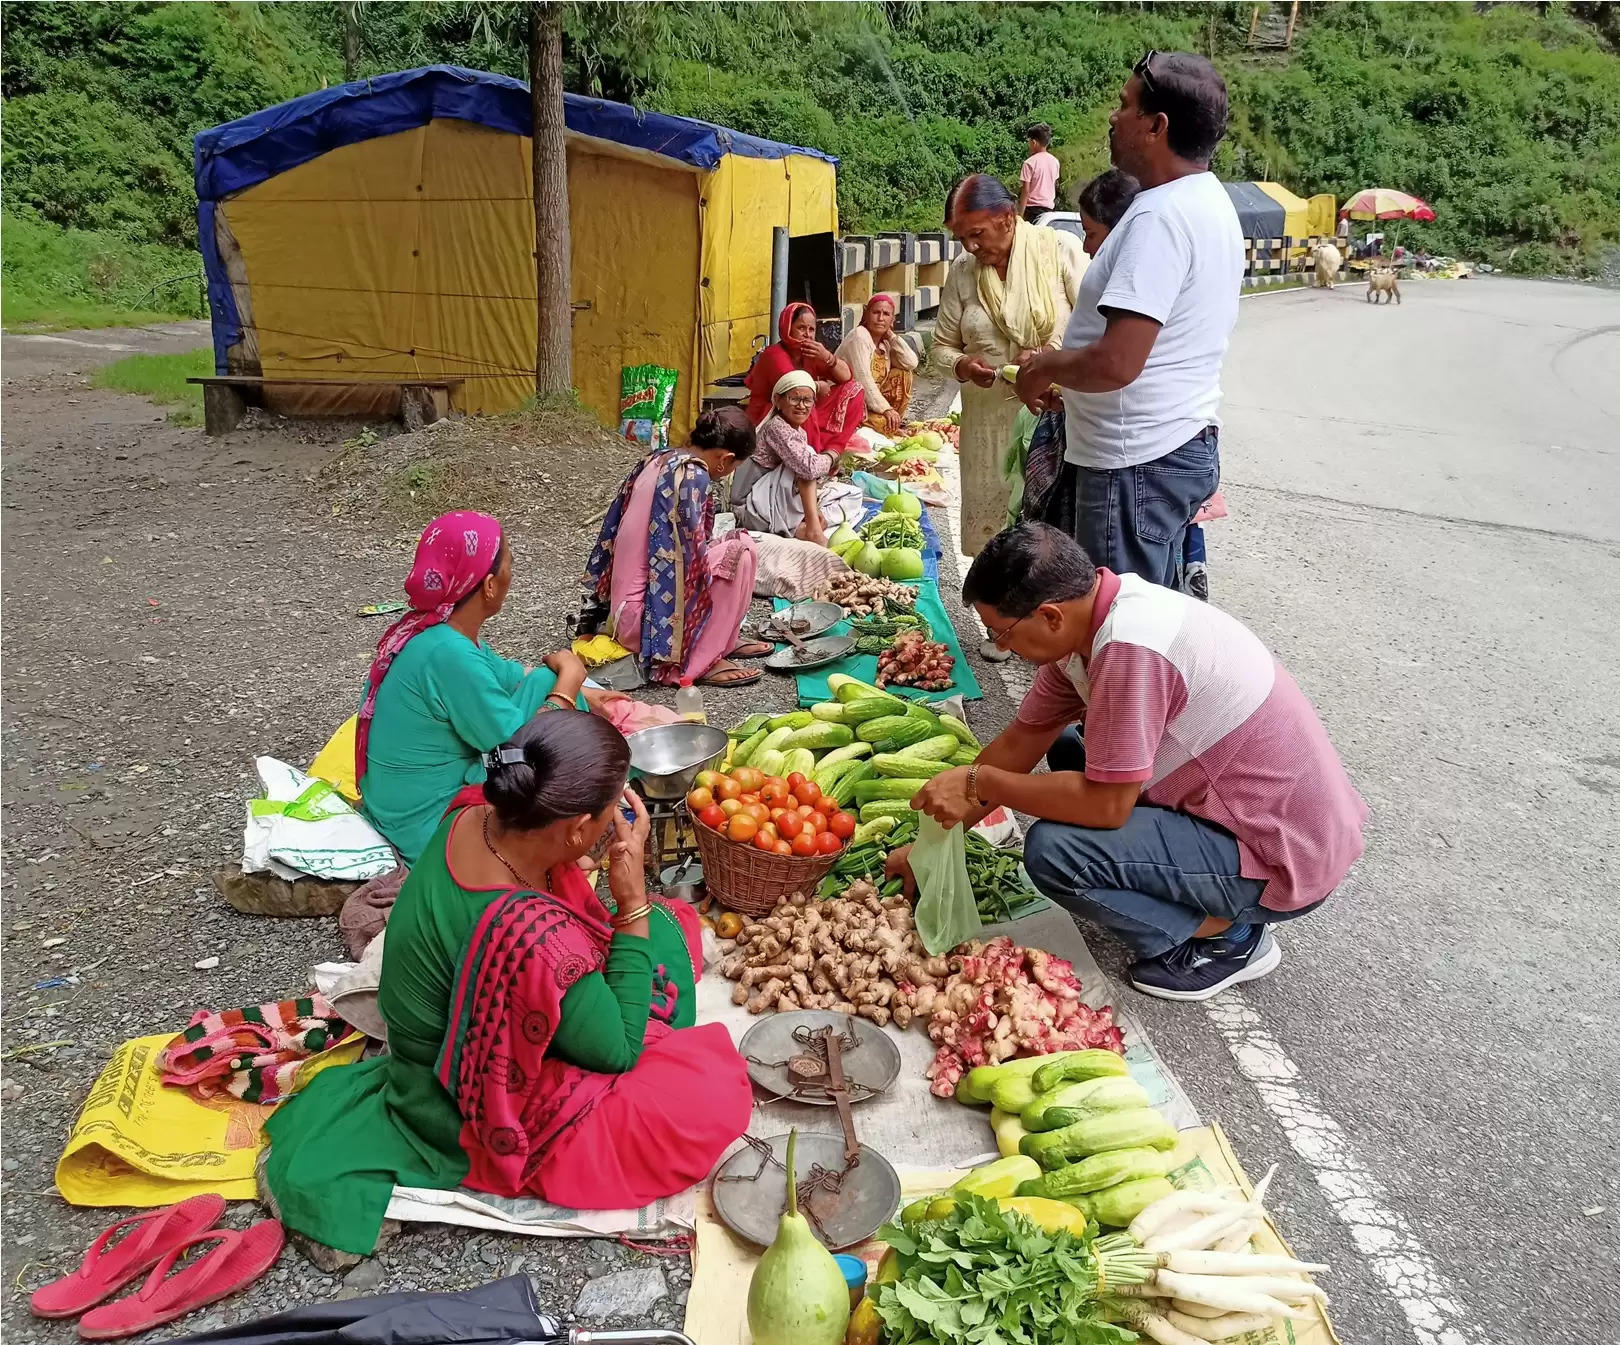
(1140, 366)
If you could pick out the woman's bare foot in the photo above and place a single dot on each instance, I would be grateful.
(754, 649)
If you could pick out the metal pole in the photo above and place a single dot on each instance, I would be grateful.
(779, 275)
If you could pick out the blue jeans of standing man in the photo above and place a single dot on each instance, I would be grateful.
(1153, 881)
(1134, 520)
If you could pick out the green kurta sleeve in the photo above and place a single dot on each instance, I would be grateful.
(604, 1014)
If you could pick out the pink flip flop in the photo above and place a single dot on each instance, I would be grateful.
(235, 1262)
(105, 1270)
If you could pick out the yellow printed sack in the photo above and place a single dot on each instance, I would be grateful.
(335, 762)
(140, 1143)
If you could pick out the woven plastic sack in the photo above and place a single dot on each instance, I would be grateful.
(946, 913)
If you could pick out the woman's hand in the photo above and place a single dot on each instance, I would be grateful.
(599, 698)
(814, 350)
(891, 422)
(570, 670)
(823, 388)
(627, 858)
(970, 369)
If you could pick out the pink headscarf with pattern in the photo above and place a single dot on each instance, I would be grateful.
(454, 556)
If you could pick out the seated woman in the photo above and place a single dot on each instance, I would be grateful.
(882, 361)
(438, 697)
(787, 488)
(676, 598)
(538, 1043)
(840, 405)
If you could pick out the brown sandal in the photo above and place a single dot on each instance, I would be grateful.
(753, 649)
(717, 675)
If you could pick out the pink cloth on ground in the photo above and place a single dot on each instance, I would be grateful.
(731, 582)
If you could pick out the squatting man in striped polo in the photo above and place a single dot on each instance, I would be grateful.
(1194, 799)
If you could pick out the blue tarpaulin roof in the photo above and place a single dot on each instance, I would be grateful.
(251, 149)
(1260, 215)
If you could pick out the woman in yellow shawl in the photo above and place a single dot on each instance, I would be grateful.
(1007, 297)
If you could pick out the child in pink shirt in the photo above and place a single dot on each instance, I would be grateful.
(1038, 192)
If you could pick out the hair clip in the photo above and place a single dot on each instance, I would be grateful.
(504, 756)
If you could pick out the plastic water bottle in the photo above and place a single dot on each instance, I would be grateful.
(689, 703)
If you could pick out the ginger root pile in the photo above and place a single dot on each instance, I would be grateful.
(850, 955)
(859, 954)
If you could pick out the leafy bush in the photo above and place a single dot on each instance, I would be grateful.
(58, 277)
(1508, 121)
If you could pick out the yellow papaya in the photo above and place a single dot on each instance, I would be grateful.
(1054, 1216)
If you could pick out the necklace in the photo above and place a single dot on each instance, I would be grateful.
(490, 846)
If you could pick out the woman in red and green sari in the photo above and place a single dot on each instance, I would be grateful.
(539, 1043)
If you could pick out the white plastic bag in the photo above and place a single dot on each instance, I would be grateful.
(946, 913)
(303, 825)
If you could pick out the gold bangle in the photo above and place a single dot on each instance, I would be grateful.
(624, 918)
(973, 785)
(558, 701)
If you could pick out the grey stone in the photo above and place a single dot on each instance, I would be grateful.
(365, 1278)
(625, 1293)
(490, 1254)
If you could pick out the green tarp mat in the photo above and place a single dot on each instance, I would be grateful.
(863, 667)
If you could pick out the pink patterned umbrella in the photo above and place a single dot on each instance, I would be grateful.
(1384, 203)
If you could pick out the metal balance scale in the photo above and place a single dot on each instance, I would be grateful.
(663, 763)
(846, 1190)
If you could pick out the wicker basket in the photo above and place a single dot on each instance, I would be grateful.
(750, 881)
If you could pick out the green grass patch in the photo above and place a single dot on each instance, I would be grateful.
(162, 379)
(57, 279)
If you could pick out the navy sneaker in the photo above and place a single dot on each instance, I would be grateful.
(1202, 968)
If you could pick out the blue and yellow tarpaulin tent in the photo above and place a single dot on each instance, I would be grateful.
(384, 229)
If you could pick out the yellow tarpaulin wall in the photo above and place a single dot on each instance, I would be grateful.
(411, 255)
(1314, 218)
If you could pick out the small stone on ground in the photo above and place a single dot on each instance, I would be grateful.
(625, 1293)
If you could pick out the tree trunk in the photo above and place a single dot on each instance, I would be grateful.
(351, 42)
(554, 337)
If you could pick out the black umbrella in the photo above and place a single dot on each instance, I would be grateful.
(502, 1313)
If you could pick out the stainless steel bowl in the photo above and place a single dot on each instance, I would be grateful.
(664, 759)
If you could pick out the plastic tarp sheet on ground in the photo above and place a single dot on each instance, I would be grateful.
(384, 231)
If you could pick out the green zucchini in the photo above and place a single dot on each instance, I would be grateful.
(749, 727)
(843, 792)
(884, 808)
(793, 719)
(799, 761)
(869, 790)
(903, 766)
(751, 747)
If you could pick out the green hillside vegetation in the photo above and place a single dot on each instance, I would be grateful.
(1507, 120)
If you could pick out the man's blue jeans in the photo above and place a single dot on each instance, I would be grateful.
(1153, 881)
(1134, 520)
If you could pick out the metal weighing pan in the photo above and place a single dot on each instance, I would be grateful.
(817, 654)
(749, 1192)
(809, 619)
(871, 1067)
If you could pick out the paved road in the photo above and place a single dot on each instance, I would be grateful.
(1426, 527)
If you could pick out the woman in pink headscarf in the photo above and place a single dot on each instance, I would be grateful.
(438, 697)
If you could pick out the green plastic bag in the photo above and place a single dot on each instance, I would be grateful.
(946, 912)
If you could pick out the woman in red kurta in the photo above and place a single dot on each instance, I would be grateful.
(840, 402)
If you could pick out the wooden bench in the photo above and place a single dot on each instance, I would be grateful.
(226, 397)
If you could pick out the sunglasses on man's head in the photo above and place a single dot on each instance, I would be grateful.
(1143, 70)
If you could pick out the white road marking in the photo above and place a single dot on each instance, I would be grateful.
(1383, 1237)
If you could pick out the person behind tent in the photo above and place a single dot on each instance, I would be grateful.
(840, 405)
(787, 488)
(882, 361)
(438, 697)
(677, 597)
(541, 1042)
